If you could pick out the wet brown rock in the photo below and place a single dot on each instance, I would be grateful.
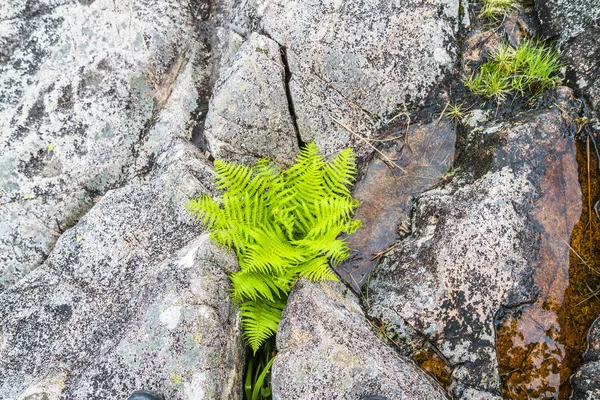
(420, 157)
(479, 242)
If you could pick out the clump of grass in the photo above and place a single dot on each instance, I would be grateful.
(530, 68)
(494, 9)
(455, 112)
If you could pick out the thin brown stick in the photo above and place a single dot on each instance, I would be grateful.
(404, 136)
(594, 293)
(443, 112)
(574, 252)
(385, 158)
(589, 188)
(377, 255)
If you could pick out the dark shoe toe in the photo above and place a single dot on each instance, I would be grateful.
(373, 398)
(145, 395)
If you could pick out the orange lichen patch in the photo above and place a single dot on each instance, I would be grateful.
(540, 345)
(386, 192)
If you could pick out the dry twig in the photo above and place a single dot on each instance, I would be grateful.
(385, 158)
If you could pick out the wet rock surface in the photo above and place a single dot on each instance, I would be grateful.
(417, 159)
(474, 244)
(328, 350)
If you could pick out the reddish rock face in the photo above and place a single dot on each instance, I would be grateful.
(485, 243)
(418, 160)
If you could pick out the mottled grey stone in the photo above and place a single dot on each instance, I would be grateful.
(583, 57)
(474, 243)
(328, 350)
(128, 298)
(98, 104)
(586, 382)
(358, 61)
(593, 351)
(567, 18)
(249, 118)
(81, 87)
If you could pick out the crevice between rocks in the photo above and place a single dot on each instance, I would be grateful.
(411, 344)
(288, 93)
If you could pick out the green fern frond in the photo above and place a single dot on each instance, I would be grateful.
(282, 226)
(340, 172)
(260, 319)
(206, 209)
(255, 286)
(336, 250)
(272, 252)
(317, 269)
(231, 177)
(330, 212)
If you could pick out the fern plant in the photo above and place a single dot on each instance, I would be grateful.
(283, 225)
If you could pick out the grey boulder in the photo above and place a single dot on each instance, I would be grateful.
(357, 61)
(474, 243)
(566, 18)
(328, 350)
(81, 86)
(586, 382)
(583, 56)
(248, 117)
(130, 297)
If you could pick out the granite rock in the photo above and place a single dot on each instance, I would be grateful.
(82, 84)
(132, 296)
(328, 350)
(360, 62)
(249, 117)
(475, 242)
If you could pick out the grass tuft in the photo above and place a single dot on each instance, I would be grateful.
(455, 112)
(494, 9)
(530, 68)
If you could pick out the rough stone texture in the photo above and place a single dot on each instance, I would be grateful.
(125, 300)
(583, 56)
(355, 60)
(97, 101)
(328, 350)
(81, 85)
(586, 382)
(472, 246)
(249, 118)
(566, 18)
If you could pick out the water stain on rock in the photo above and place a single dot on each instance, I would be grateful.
(386, 192)
(540, 345)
